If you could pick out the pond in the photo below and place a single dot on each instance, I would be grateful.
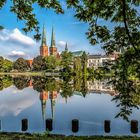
(33, 100)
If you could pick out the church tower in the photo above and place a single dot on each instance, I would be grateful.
(44, 47)
(53, 49)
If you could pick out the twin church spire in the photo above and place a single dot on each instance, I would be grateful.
(44, 48)
(44, 42)
(53, 38)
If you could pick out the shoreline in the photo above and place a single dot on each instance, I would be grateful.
(23, 73)
(35, 136)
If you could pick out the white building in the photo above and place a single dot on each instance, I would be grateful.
(98, 60)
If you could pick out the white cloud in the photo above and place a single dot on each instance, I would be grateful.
(16, 54)
(14, 44)
(14, 103)
(61, 43)
(17, 37)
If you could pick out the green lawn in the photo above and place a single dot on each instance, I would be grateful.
(17, 136)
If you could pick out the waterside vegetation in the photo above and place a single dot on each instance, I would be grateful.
(27, 136)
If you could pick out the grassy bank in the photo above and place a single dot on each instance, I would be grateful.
(23, 73)
(18, 136)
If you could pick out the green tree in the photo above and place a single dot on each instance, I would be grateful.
(7, 65)
(51, 63)
(77, 67)
(1, 63)
(39, 63)
(84, 63)
(66, 62)
(21, 65)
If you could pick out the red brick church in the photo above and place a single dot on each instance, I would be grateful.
(46, 51)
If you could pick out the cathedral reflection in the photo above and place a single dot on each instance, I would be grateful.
(43, 98)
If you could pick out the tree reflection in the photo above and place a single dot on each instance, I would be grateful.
(66, 89)
(127, 97)
(84, 88)
(39, 83)
(46, 84)
(21, 82)
(5, 82)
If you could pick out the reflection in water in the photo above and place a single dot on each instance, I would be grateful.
(51, 89)
(43, 98)
(5, 81)
(53, 97)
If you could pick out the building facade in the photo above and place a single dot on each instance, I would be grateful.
(98, 60)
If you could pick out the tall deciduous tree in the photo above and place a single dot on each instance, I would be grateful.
(21, 65)
(1, 63)
(66, 61)
(39, 63)
(84, 63)
(51, 63)
(7, 65)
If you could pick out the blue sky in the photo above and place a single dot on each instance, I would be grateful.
(14, 43)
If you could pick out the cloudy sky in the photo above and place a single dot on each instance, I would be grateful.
(15, 43)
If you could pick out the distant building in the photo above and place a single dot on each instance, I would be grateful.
(98, 60)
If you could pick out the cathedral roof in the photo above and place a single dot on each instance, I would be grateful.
(77, 53)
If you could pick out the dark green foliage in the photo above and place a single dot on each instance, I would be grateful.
(2, 2)
(27, 136)
(84, 63)
(67, 90)
(21, 65)
(45, 83)
(66, 63)
(51, 63)
(1, 63)
(5, 82)
(21, 82)
(125, 85)
(39, 83)
(39, 63)
(5, 65)
(1, 27)
(77, 68)
(123, 36)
